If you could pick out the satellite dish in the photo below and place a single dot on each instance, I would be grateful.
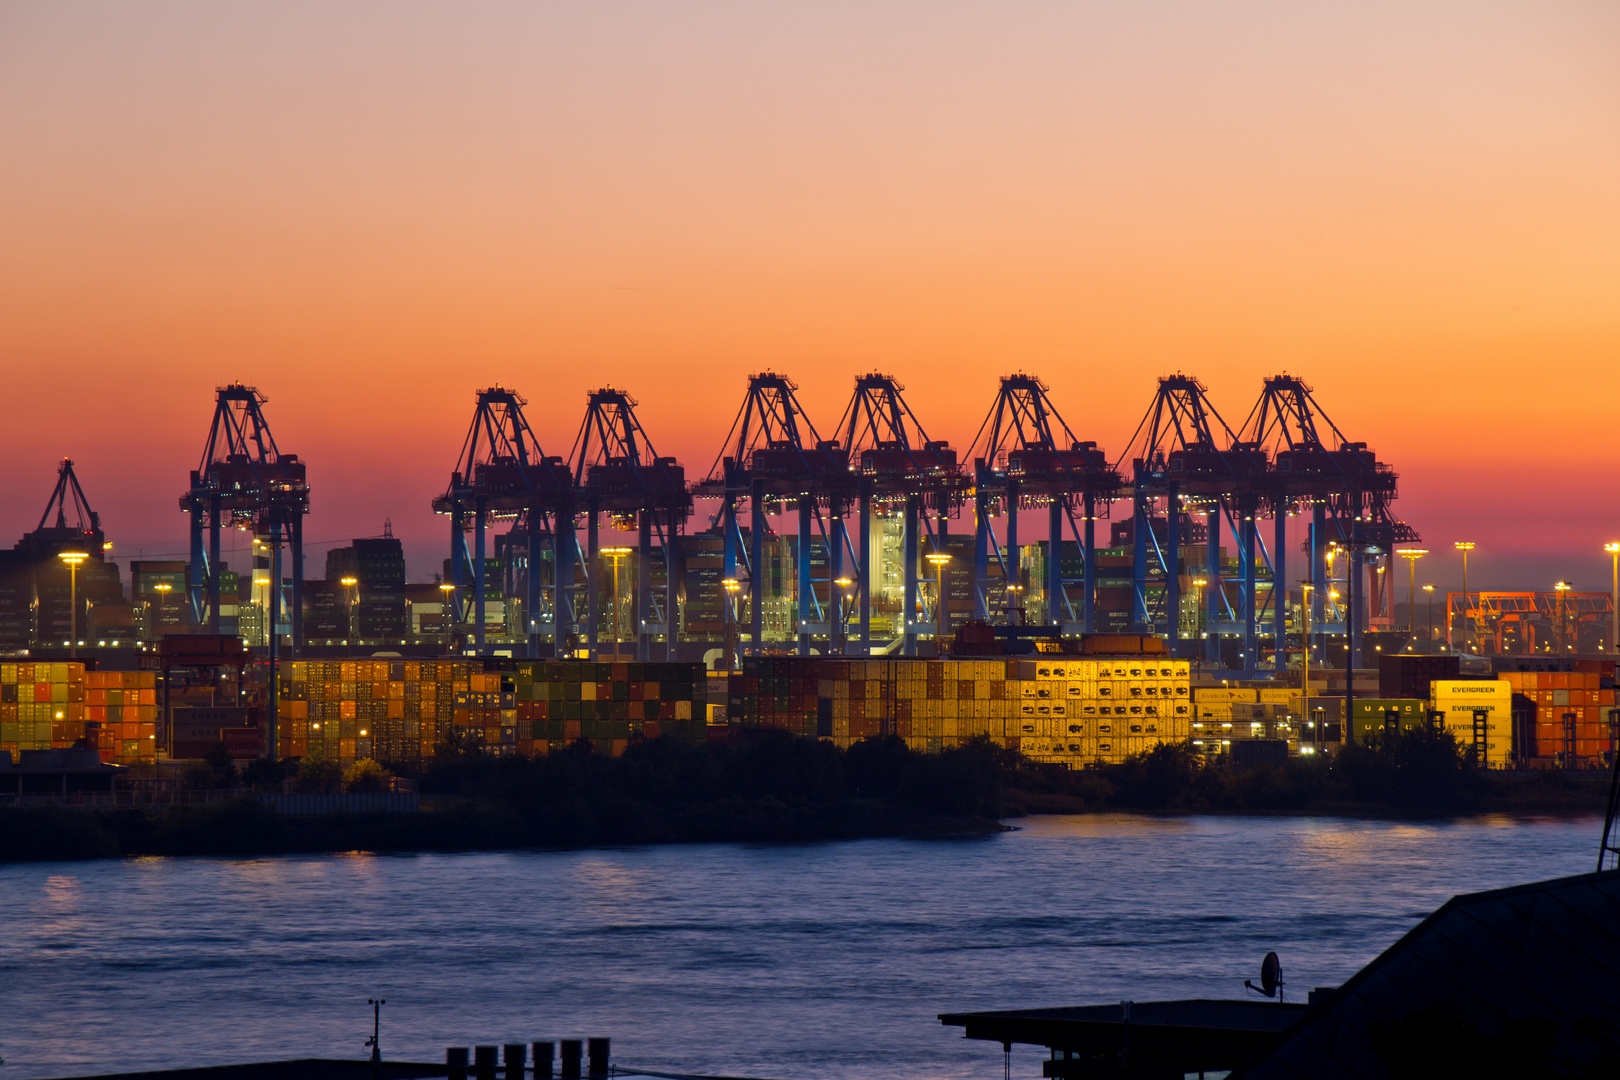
(1271, 982)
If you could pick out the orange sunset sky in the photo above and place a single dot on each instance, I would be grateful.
(369, 210)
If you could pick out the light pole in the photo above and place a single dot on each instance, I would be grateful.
(1428, 622)
(1198, 628)
(73, 559)
(1614, 600)
(616, 554)
(448, 591)
(1560, 588)
(1411, 555)
(939, 560)
(843, 584)
(1464, 546)
(733, 587)
(1305, 661)
(349, 583)
(162, 589)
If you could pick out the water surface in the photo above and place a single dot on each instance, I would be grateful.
(802, 962)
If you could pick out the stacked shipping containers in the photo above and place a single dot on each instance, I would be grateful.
(401, 710)
(1069, 710)
(41, 705)
(55, 705)
(394, 710)
(1223, 715)
(1572, 715)
(121, 713)
(557, 703)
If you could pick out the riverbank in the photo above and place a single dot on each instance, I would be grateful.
(781, 789)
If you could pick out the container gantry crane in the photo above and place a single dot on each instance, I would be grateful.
(1185, 454)
(774, 456)
(1020, 462)
(245, 480)
(86, 531)
(616, 471)
(502, 474)
(895, 464)
(1347, 489)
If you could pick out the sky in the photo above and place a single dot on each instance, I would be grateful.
(371, 210)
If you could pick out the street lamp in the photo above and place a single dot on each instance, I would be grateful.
(349, 583)
(444, 613)
(162, 589)
(1411, 555)
(1428, 621)
(1464, 546)
(938, 560)
(73, 559)
(844, 595)
(1305, 658)
(1198, 627)
(616, 554)
(1560, 588)
(1614, 599)
(733, 587)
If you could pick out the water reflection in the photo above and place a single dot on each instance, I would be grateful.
(800, 961)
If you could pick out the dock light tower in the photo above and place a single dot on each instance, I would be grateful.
(845, 596)
(616, 555)
(1561, 589)
(1428, 622)
(733, 587)
(163, 589)
(1464, 546)
(1614, 599)
(939, 560)
(73, 559)
(1411, 555)
(448, 591)
(349, 584)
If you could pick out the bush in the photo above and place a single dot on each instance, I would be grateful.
(318, 775)
(367, 775)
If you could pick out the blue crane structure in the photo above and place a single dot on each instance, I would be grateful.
(1025, 456)
(895, 465)
(616, 471)
(1185, 456)
(773, 456)
(502, 474)
(245, 480)
(1346, 489)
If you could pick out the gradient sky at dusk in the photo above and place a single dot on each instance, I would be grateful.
(369, 210)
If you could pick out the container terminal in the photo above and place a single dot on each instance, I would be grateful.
(808, 583)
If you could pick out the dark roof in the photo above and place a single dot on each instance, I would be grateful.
(1191, 1035)
(1482, 974)
(297, 1069)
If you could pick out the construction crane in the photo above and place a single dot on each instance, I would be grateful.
(1026, 456)
(896, 464)
(244, 480)
(1184, 454)
(773, 457)
(502, 474)
(1347, 490)
(616, 471)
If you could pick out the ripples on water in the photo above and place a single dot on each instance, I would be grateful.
(810, 961)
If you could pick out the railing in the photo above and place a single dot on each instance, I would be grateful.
(144, 796)
(403, 799)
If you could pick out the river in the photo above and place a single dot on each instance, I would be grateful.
(803, 962)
